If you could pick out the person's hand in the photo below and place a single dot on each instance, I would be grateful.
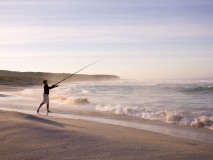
(55, 85)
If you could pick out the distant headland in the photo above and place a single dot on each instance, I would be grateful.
(9, 77)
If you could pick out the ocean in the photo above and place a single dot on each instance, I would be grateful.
(188, 102)
(173, 107)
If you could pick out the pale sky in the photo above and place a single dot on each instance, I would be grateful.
(135, 39)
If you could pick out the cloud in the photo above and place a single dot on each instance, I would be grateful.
(113, 33)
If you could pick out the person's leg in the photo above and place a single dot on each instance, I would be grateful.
(48, 107)
(40, 106)
(45, 100)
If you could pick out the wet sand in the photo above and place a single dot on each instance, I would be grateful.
(25, 136)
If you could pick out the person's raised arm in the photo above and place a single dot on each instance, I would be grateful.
(53, 86)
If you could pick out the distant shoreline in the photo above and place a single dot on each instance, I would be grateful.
(33, 78)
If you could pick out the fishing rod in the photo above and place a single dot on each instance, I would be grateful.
(76, 72)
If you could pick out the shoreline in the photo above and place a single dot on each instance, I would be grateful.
(185, 132)
(26, 136)
(169, 129)
(175, 130)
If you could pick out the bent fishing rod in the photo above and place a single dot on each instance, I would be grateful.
(76, 72)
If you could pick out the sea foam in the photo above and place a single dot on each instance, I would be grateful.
(183, 103)
(180, 118)
(71, 101)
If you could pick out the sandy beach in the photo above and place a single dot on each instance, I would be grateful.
(106, 80)
(25, 136)
(41, 136)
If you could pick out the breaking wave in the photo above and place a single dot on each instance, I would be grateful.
(207, 89)
(71, 101)
(84, 91)
(187, 103)
(203, 122)
(181, 118)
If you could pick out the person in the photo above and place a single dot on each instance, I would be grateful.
(46, 95)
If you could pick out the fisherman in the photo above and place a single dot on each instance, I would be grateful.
(46, 95)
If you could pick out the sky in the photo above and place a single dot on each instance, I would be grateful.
(135, 39)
